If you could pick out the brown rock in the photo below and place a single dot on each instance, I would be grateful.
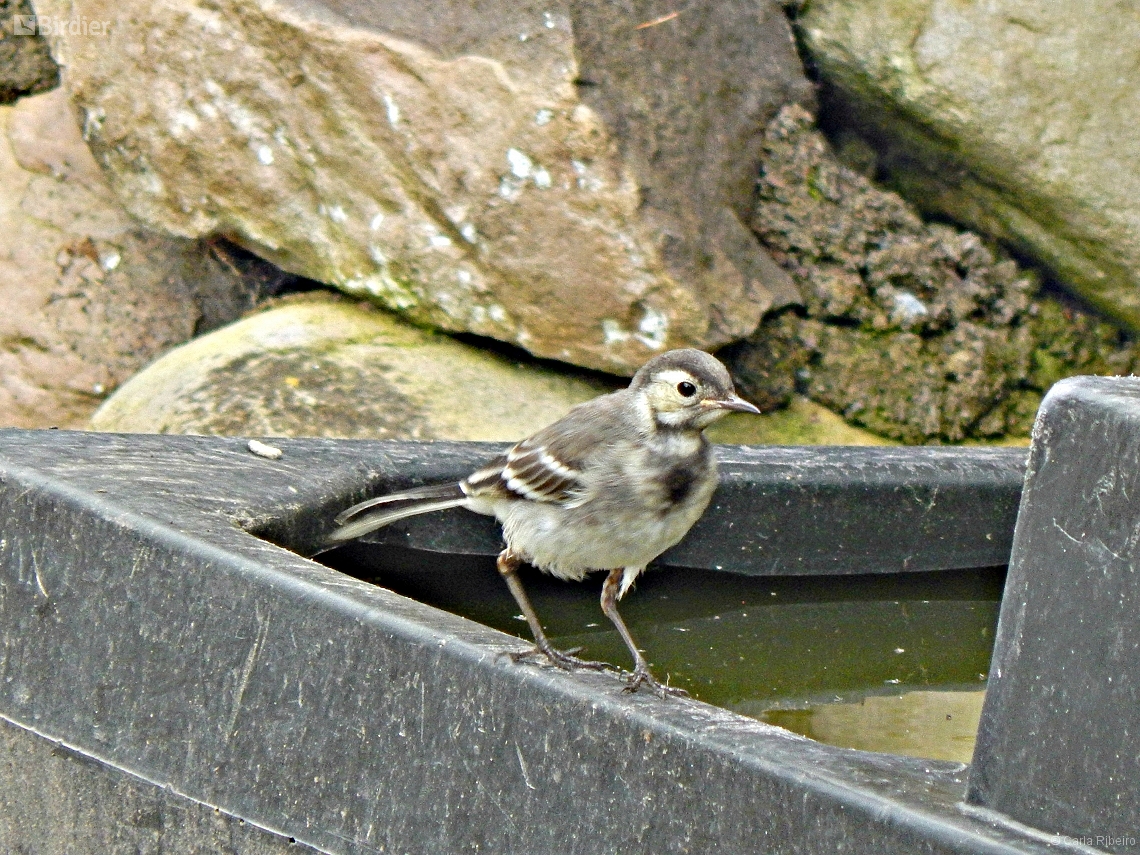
(89, 297)
(553, 175)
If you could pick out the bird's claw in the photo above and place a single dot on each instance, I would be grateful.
(634, 680)
(564, 659)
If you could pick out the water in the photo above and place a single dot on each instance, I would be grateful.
(892, 663)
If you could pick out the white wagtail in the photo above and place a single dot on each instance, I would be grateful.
(609, 486)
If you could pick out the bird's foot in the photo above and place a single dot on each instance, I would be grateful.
(639, 677)
(564, 659)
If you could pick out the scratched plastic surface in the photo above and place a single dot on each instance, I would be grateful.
(893, 663)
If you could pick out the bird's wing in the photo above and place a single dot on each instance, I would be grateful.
(552, 466)
(529, 471)
(560, 463)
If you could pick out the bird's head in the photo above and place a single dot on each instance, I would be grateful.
(688, 390)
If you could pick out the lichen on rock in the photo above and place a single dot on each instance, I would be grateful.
(917, 331)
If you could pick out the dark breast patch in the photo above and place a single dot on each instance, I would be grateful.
(681, 478)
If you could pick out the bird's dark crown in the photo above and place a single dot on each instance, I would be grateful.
(706, 370)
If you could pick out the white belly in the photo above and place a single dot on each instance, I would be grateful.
(569, 543)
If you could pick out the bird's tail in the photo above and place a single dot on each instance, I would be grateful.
(376, 513)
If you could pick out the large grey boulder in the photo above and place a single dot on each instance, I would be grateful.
(569, 176)
(1016, 118)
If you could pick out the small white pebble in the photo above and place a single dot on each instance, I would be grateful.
(269, 452)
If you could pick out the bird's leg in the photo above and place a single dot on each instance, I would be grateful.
(641, 674)
(508, 564)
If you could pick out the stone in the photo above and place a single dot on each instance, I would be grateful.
(26, 66)
(570, 177)
(89, 296)
(322, 365)
(1015, 118)
(917, 331)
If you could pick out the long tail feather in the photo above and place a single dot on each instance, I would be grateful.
(431, 491)
(383, 510)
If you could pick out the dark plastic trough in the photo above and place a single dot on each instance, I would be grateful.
(176, 677)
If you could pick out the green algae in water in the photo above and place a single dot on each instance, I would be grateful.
(892, 662)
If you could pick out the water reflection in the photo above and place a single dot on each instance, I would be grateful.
(941, 725)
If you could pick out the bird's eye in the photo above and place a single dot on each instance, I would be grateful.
(686, 389)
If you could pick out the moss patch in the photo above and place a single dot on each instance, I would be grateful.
(916, 331)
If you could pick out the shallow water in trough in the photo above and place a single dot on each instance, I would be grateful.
(893, 663)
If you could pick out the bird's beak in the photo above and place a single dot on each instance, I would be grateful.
(733, 403)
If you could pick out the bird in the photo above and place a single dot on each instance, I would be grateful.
(608, 487)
